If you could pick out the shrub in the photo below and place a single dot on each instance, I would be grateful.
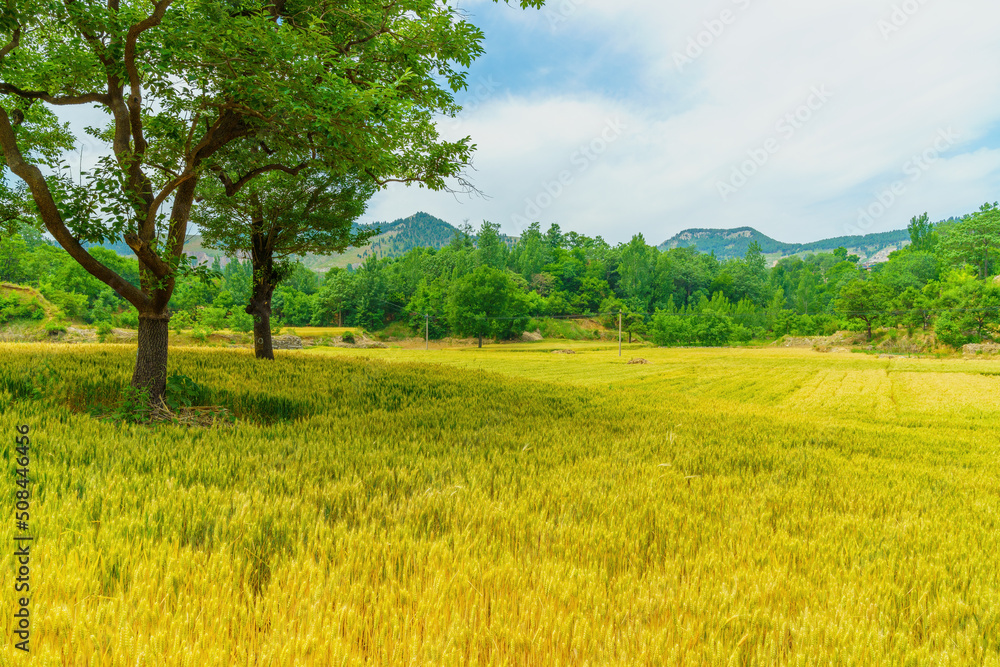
(213, 318)
(240, 321)
(183, 392)
(181, 320)
(348, 337)
(55, 328)
(127, 319)
(950, 331)
(103, 331)
(671, 329)
(12, 307)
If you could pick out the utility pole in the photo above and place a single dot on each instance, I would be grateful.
(619, 333)
(427, 330)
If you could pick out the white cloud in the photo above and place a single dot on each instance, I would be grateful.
(686, 130)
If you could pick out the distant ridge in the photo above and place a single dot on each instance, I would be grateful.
(733, 243)
(422, 230)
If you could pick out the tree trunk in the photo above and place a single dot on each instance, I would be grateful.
(480, 340)
(265, 278)
(260, 308)
(151, 360)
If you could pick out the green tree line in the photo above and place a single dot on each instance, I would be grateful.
(480, 285)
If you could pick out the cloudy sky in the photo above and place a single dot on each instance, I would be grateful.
(806, 120)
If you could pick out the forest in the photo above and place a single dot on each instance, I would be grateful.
(485, 284)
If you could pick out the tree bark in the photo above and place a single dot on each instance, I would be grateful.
(260, 308)
(266, 277)
(480, 340)
(151, 360)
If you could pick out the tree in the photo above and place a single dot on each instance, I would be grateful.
(671, 328)
(335, 296)
(974, 239)
(184, 86)
(277, 217)
(531, 252)
(861, 300)
(492, 251)
(637, 271)
(487, 303)
(923, 238)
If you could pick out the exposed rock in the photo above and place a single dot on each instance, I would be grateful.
(287, 342)
(973, 349)
(123, 335)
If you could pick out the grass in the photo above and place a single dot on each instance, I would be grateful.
(513, 506)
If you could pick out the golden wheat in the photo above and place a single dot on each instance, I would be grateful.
(513, 507)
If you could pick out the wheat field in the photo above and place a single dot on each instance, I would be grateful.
(511, 506)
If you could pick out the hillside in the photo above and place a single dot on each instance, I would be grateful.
(422, 230)
(396, 238)
(732, 243)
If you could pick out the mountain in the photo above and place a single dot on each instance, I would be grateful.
(733, 243)
(394, 239)
(422, 230)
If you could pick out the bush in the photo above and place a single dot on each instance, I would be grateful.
(12, 307)
(348, 338)
(103, 331)
(200, 333)
(72, 305)
(181, 320)
(671, 329)
(950, 331)
(213, 318)
(183, 392)
(55, 328)
(240, 321)
(127, 319)
(713, 329)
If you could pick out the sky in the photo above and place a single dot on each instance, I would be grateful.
(804, 120)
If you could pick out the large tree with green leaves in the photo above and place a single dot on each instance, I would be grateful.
(487, 303)
(187, 84)
(863, 300)
(274, 219)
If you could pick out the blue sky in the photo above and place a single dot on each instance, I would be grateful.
(804, 120)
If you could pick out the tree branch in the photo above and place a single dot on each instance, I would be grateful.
(232, 187)
(15, 40)
(135, 82)
(32, 175)
(89, 98)
(144, 252)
